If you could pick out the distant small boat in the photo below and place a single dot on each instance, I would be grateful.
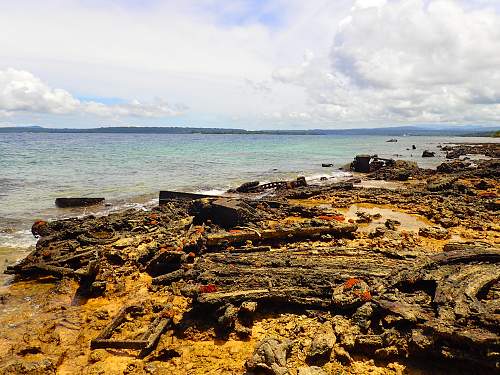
(392, 140)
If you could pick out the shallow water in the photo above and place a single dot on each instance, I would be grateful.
(130, 169)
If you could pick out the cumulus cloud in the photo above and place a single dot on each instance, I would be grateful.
(366, 61)
(21, 91)
(408, 60)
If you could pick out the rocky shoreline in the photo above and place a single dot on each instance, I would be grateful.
(312, 279)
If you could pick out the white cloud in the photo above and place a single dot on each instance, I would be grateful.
(194, 52)
(21, 91)
(407, 61)
(365, 61)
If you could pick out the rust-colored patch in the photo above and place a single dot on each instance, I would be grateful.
(366, 296)
(351, 282)
(325, 217)
(210, 288)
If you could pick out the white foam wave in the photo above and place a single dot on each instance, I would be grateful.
(211, 191)
(19, 239)
(338, 175)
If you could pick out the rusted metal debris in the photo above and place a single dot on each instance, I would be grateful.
(369, 163)
(145, 342)
(241, 236)
(444, 305)
(446, 297)
(172, 196)
(77, 202)
(254, 186)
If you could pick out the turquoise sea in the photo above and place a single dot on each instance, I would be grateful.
(130, 169)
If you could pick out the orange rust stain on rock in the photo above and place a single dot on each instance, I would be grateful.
(210, 288)
(350, 283)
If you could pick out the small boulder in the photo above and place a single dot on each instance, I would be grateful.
(228, 318)
(428, 154)
(322, 345)
(391, 224)
(353, 292)
(222, 211)
(321, 348)
(247, 187)
(270, 355)
(247, 312)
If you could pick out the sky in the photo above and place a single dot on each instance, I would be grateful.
(254, 64)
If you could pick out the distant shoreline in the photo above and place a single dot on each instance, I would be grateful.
(470, 131)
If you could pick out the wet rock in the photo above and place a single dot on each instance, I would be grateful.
(428, 154)
(361, 163)
(313, 370)
(363, 217)
(270, 356)
(40, 228)
(488, 149)
(392, 224)
(327, 165)
(247, 187)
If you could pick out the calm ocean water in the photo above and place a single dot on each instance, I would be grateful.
(129, 169)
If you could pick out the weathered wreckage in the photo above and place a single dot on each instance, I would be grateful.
(378, 291)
